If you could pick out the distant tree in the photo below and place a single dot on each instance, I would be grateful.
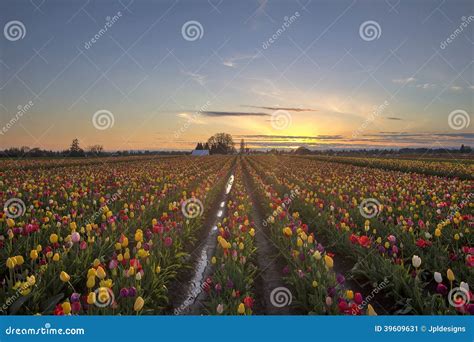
(75, 150)
(96, 150)
(206, 146)
(242, 146)
(199, 146)
(221, 143)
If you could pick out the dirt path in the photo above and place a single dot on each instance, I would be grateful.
(269, 274)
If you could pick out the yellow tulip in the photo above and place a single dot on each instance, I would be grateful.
(10, 223)
(349, 294)
(139, 302)
(53, 238)
(11, 263)
(56, 257)
(450, 275)
(92, 272)
(19, 260)
(329, 261)
(213, 260)
(34, 254)
(100, 272)
(158, 269)
(317, 255)
(64, 277)
(241, 309)
(66, 308)
(371, 311)
(299, 242)
(91, 298)
(90, 282)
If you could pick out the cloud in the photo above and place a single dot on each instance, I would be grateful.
(404, 80)
(232, 62)
(194, 118)
(426, 86)
(212, 113)
(286, 137)
(394, 118)
(290, 109)
(201, 79)
(455, 88)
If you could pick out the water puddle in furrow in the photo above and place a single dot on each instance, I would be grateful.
(203, 267)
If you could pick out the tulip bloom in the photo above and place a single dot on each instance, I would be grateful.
(139, 302)
(64, 277)
(416, 261)
(450, 275)
(329, 261)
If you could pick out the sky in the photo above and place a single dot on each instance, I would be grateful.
(164, 75)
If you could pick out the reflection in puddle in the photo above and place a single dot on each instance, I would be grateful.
(202, 268)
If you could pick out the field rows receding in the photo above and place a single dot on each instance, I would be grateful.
(236, 235)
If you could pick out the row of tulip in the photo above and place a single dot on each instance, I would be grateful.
(462, 168)
(415, 226)
(230, 289)
(318, 288)
(101, 238)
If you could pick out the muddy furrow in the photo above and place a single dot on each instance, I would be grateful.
(269, 274)
(191, 294)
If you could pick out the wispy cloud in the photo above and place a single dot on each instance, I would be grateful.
(212, 113)
(393, 118)
(191, 118)
(201, 79)
(233, 62)
(404, 80)
(290, 109)
(426, 85)
(290, 137)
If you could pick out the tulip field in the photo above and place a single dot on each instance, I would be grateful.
(262, 234)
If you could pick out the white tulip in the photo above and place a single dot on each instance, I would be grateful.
(438, 277)
(416, 261)
(464, 286)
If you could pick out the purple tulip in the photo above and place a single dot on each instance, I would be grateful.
(132, 292)
(124, 292)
